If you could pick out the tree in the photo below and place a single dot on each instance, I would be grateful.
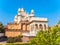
(47, 37)
(1, 25)
(59, 22)
(1, 28)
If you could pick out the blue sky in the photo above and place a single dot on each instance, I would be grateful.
(43, 8)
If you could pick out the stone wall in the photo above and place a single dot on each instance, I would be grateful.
(12, 33)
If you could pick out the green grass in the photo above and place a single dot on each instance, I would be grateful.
(21, 43)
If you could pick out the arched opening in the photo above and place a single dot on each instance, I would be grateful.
(41, 27)
(36, 26)
(45, 26)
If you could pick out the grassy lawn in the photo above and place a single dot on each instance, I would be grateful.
(18, 43)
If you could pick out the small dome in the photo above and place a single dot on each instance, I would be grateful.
(22, 10)
(19, 9)
(15, 16)
(32, 11)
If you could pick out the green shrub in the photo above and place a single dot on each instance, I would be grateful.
(14, 39)
(47, 37)
(10, 40)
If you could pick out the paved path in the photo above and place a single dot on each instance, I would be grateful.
(3, 42)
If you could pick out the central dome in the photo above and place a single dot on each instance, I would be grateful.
(19, 10)
(22, 9)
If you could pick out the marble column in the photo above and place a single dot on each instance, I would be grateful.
(43, 27)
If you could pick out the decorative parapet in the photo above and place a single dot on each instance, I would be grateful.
(39, 19)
